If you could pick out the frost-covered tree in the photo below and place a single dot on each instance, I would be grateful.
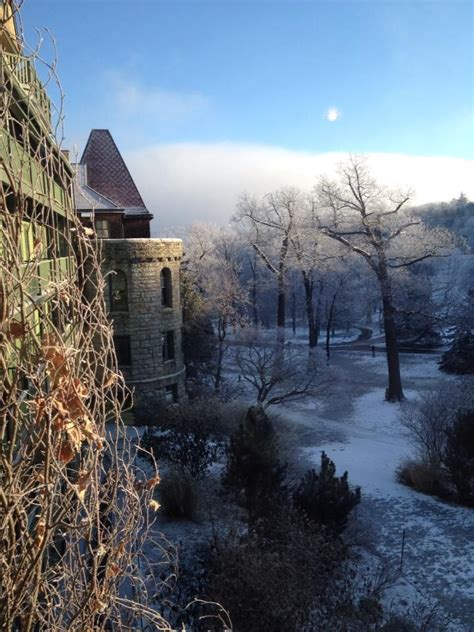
(373, 222)
(214, 261)
(269, 226)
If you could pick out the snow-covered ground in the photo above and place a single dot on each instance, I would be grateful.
(363, 434)
(300, 335)
(365, 437)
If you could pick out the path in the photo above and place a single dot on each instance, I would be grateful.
(362, 433)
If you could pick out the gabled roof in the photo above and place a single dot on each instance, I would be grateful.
(107, 173)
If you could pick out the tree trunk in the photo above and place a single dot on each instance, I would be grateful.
(220, 355)
(394, 392)
(253, 291)
(281, 309)
(312, 328)
(319, 309)
(293, 311)
(254, 304)
(329, 326)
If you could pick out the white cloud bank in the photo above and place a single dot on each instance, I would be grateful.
(186, 182)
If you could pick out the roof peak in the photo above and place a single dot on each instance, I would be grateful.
(107, 172)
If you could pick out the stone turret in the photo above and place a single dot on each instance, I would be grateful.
(143, 299)
(142, 274)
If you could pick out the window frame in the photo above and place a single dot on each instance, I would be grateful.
(168, 346)
(118, 340)
(120, 305)
(166, 287)
(102, 228)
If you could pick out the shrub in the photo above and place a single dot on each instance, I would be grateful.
(187, 437)
(326, 498)
(460, 358)
(253, 471)
(434, 412)
(459, 457)
(399, 624)
(178, 495)
(276, 584)
(428, 479)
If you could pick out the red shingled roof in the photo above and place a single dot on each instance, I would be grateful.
(107, 172)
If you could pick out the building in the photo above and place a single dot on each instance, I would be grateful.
(36, 207)
(142, 274)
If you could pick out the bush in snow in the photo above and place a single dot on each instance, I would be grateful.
(434, 412)
(186, 438)
(325, 498)
(459, 457)
(460, 358)
(276, 583)
(254, 472)
(425, 478)
(178, 495)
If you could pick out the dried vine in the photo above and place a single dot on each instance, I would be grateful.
(75, 511)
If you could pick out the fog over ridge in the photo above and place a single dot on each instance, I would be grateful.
(187, 182)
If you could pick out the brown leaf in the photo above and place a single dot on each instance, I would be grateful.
(75, 435)
(152, 482)
(66, 452)
(16, 329)
(120, 549)
(113, 570)
(97, 605)
(83, 481)
(40, 532)
(111, 379)
(55, 357)
(89, 429)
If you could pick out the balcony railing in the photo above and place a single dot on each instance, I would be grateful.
(34, 179)
(24, 72)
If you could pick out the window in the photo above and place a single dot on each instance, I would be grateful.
(118, 296)
(122, 349)
(166, 288)
(63, 246)
(168, 345)
(102, 228)
(171, 393)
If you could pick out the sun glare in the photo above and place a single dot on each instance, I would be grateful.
(332, 115)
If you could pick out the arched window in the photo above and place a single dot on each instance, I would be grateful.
(118, 292)
(166, 288)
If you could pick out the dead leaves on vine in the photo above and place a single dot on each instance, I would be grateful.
(14, 329)
(65, 405)
(82, 484)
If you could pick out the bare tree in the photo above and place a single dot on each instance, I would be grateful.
(371, 221)
(276, 379)
(307, 249)
(269, 227)
(215, 261)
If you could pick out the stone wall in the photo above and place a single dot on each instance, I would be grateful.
(147, 319)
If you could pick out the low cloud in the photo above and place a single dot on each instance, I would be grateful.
(187, 182)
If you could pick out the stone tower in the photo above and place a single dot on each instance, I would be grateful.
(142, 274)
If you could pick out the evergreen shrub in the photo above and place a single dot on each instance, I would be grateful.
(325, 498)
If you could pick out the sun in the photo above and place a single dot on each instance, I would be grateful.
(332, 115)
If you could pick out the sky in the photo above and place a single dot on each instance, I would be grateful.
(208, 99)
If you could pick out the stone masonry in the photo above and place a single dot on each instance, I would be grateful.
(147, 320)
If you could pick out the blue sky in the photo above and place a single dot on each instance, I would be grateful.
(263, 74)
